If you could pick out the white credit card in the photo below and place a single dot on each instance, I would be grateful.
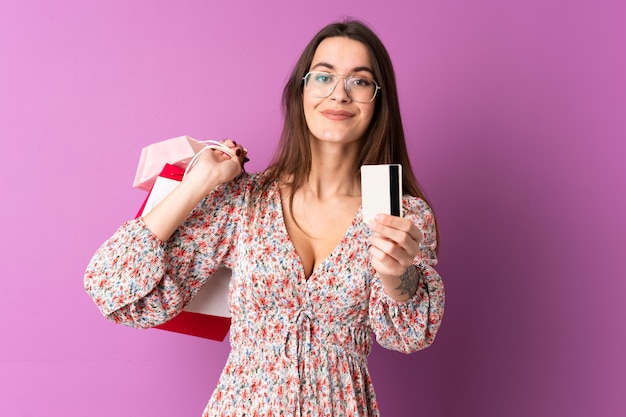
(381, 190)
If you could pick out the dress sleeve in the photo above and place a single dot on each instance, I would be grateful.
(139, 281)
(411, 325)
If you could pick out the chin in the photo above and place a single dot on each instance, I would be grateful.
(337, 139)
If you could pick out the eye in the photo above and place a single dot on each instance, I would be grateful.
(361, 82)
(322, 77)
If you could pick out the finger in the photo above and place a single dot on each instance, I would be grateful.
(401, 224)
(383, 263)
(224, 152)
(390, 248)
(239, 151)
(399, 237)
(230, 148)
(404, 239)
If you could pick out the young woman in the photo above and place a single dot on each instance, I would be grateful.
(311, 281)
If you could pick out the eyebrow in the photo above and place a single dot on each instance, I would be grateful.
(332, 67)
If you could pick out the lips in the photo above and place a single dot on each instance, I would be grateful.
(337, 114)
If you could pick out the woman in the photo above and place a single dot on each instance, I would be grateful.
(311, 281)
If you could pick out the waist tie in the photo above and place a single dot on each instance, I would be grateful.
(298, 350)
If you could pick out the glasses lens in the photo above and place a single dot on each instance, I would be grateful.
(320, 84)
(361, 89)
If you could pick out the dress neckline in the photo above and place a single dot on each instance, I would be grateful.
(357, 218)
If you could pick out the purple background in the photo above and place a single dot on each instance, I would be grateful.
(515, 113)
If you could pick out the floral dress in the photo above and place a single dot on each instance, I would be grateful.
(299, 345)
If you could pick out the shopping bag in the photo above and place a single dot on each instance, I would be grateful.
(169, 177)
(207, 314)
(176, 151)
(180, 151)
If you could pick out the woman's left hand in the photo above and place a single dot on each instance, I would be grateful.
(393, 246)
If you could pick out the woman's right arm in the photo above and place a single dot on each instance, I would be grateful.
(150, 268)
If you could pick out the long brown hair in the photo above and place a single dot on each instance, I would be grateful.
(382, 143)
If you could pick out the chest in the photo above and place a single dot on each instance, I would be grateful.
(316, 229)
(279, 271)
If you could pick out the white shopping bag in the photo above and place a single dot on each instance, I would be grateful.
(207, 314)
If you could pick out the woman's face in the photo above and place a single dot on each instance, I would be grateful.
(337, 118)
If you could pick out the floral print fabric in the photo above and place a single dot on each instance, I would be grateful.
(299, 346)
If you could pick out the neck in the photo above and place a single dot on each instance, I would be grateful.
(332, 170)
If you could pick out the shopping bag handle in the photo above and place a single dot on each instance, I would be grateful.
(211, 144)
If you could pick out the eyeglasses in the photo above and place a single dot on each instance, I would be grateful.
(322, 85)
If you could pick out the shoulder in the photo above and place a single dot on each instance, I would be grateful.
(418, 208)
(245, 181)
(243, 187)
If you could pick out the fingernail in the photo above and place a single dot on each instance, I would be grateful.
(238, 152)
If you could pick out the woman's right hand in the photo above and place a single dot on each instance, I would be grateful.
(213, 167)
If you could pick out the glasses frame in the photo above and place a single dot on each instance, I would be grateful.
(345, 85)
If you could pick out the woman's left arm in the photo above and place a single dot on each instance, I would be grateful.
(407, 297)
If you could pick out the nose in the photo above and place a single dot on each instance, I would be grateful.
(340, 93)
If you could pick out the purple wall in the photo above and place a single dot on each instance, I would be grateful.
(516, 113)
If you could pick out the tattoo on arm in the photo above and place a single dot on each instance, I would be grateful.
(409, 281)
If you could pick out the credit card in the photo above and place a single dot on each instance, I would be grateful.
(381, 190)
